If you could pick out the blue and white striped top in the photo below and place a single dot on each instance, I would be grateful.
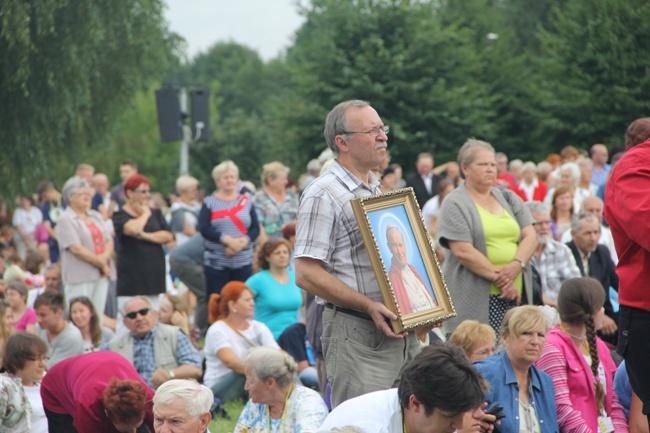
(236, 218)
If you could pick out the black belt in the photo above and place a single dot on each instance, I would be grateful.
(349, 311)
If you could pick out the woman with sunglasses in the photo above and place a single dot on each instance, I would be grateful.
(21, 407)
(140, 234)
(84, 317)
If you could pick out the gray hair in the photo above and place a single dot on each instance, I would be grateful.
(219, 169)
(467, 152)
(590, 197)
(185, 182)
(529, 165)
(544, 166)
(574, 169)
(587, 216)
(137, 298)
(268, 362)
(336, 123)
(585, 162)
(537, 207)
(516, 163)
(72, 185)
(197, 398)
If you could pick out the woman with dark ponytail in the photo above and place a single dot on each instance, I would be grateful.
(580, 363)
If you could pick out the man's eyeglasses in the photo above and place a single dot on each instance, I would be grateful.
(542, 223)
(374, 131)
(133, 314)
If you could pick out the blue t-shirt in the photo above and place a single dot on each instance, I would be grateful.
(276, 304)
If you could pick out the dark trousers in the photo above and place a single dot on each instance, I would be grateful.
(215, 279)
(59, 422)
(193, 277)
(634, 346)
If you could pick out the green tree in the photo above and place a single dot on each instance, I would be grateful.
(67, 70)
(594, 75)
(423, 78)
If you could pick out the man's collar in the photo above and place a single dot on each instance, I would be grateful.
(350, 180)
(148, 336)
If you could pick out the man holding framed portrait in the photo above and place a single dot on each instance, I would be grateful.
(362, 353)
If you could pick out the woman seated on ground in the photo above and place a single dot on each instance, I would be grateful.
(24, 318)
(21, 407)
(232, 335)
(477, 340)
(84, 317)
(277, 297)
(277, 401)
(173, 311)
(525, 392)
(580, 363)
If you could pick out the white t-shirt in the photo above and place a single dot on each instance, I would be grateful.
(220, 336)
(377, 411)
(431, 209)
(39, 421)
(28, 221)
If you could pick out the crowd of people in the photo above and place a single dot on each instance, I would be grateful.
(116, 302)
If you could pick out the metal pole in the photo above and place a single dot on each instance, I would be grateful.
(187, 134)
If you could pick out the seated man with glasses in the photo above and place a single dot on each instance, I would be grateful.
(159, 352)
(552, 259)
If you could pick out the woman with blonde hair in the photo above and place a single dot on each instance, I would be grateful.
(477, 340)
(276, 205)
(174, 311)
(524, 391)
(228, 222)
(580, 363)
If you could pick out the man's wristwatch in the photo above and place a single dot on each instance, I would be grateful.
(171, 374)
(523, 265)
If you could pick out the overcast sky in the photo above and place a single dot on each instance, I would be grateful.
(264, 25)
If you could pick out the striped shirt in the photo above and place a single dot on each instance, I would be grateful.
(214, 225)
(327, 229)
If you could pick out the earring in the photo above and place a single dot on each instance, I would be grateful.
(234, 311)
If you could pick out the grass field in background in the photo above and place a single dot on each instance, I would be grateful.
(221, 425)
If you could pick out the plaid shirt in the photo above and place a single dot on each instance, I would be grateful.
(144, 358)
(555, 266)
(327, 229)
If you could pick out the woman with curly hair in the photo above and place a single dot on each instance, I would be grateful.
(580, 363)
(97, 392)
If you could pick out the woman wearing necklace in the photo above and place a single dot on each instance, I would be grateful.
(278, 403)
(86, 246)
(580, 363)
(525, 392)
(230, 338)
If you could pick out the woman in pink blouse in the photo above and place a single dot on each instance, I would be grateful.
(86, 247)
(580, 363)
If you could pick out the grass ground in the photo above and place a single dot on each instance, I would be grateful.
(221, 425)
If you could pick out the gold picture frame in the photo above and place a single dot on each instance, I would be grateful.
(403, 258)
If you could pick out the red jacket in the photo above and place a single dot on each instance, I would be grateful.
(627, 210)
(539, 193)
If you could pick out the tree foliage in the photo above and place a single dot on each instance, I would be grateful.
(68, 69)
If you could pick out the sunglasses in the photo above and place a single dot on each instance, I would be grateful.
(133, 314)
